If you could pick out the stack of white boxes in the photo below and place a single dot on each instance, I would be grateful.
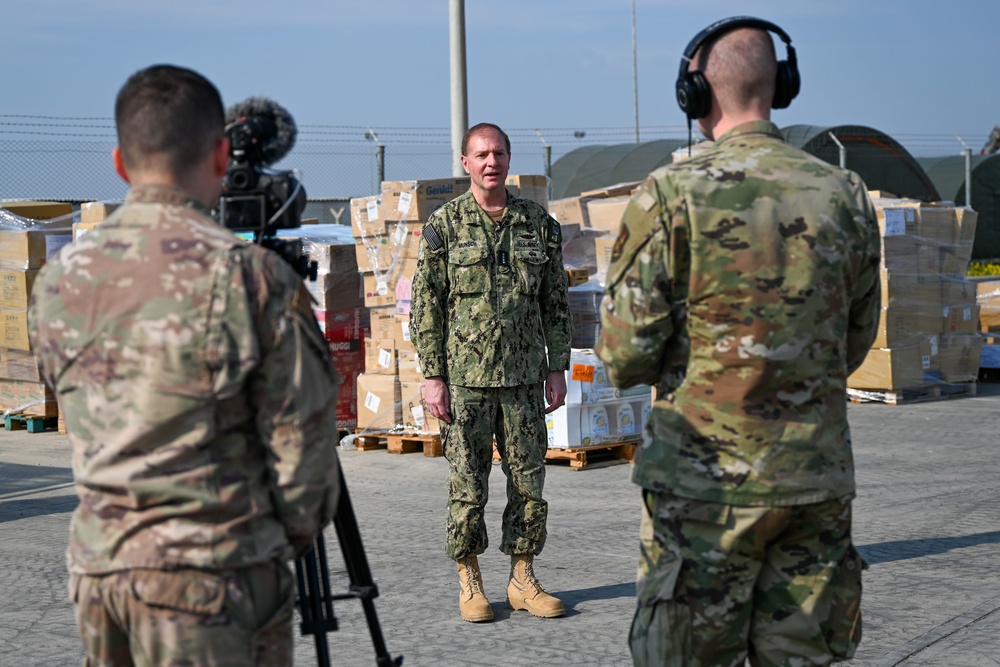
(596, 413)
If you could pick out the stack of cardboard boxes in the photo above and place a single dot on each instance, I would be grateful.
(386, 229)
(24, 248)
(339, 307)
(929, 319)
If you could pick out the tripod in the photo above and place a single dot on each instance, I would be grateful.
(315, 599)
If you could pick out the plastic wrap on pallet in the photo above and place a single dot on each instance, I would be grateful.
(929, 321)
(584, 302)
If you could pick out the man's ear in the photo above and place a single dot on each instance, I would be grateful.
(119, 162)
(220, 157)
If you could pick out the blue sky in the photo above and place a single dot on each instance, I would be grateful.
(921, 71)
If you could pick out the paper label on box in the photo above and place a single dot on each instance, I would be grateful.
(54, 243)
(399, 236)
(381, 287)
(934, 345)
(418, 415)
(372, 402)
(911, 215)
(967, 314)
(895, 222)
(81, 232)
(925, 362)
(372, 208)
(384, 358)
(405, 199)
(406, 333)
(582, 373)
(946, 311)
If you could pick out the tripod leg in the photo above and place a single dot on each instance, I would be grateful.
(360, 575)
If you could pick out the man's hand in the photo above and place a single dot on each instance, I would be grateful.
(438, 399)
(555, 390)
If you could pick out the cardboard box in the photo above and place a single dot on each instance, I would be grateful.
(988, 299)
(899, 254)
(577, 276)
(587, 381)
(569, 211)
(38, 210)
(408, 362)
(936, 222)
(960, 358)
(599, 423)
(965, 226)
(383, 322)
(15, 329)
(960, 319)
(93, 212)
(15, 287)
(955, 260)
(378, 401)
(416, 200)
(81, 228)
(385, 288)
(19, 365)
(533, 187)
(603, 247)
(617, 190)
(31, 399)
(30, 249)
(367, 216)
(891, 368)
(377, 252)
(898, 326)
(413, 408)
(380, 356)
(348, 359)
(897, 220)
(606, 214)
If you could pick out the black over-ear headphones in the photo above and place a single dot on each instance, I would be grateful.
(694, 95)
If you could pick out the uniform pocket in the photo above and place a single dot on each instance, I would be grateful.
(842, 628)
(191, 591)
(530, 263)
(469, 270)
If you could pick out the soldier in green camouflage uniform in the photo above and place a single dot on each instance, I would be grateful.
(199, 402)
(744, 285)
(490, 322)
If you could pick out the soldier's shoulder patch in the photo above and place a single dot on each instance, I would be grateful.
(430, 234)
(616, 251)
(555, 231)
(645, 200)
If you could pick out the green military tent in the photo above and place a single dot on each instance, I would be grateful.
(879, 159)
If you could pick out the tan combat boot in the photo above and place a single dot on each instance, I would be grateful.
(472, 603)
(524, 591)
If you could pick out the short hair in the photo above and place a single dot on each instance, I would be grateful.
(476, 129)
(741, 67)
(169, 114)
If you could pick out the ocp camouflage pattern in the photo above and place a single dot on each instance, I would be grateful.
(197, 392)
(745, 286)
(488, 301)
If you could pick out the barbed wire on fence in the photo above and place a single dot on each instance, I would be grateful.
(68, 158)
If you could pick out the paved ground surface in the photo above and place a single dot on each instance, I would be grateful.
(927, 519)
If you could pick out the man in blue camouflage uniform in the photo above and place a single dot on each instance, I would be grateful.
(744, 285)
(199, 401)
(490, 322)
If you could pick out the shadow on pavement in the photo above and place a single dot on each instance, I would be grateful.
(13, 510)
(887, 552)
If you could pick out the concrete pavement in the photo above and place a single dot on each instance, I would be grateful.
(926, 519)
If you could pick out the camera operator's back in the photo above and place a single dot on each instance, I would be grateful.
(171, 344)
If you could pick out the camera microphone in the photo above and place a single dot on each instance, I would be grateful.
(262, 126)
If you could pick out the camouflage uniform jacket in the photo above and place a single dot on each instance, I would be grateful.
(196, 387)
(487, 298)
(744, 284)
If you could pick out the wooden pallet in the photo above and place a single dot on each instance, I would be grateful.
(596, 456)
(399, 443)
(408, 443)
(914, 395)
(33, 424)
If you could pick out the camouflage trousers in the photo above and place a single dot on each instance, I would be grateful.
(516, 417)
(720, 584)
(156, 618)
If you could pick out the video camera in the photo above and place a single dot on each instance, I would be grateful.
(256, 201)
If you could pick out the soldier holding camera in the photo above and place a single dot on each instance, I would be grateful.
(199, 400)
